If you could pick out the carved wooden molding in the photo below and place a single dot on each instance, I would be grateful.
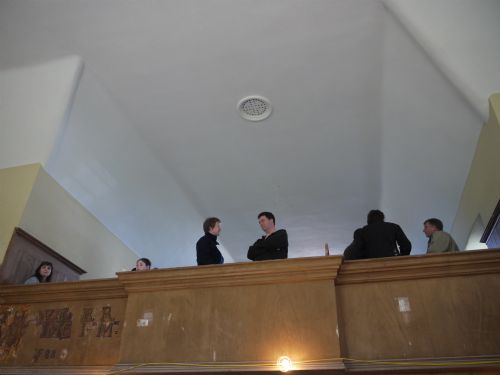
(67, 291)
(55, 370)
(224, 367)
(267, 272)
(426, 365)
(255, 273)
(258, 273)
(49, 251)
(394, 366)
(420, 267)
(93, 370)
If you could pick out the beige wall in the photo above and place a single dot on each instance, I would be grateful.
(15, 188)
(482, 188)
(58, 220)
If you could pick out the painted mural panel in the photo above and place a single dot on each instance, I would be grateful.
(73, 333)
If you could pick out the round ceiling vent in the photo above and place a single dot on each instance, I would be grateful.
(254, 108)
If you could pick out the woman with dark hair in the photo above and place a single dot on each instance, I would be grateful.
(142, 264)
(43, 274)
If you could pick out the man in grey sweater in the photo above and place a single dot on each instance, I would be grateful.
(439, 241)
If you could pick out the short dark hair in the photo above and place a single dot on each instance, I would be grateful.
(375, 216)
(435, 223)
(210, 223)
(267, 214)
(146, 261)
(39, 276)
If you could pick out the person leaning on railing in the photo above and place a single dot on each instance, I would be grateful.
(142, 264)
(43, 274)
(273, 245)
(439, 240)
(378, 239)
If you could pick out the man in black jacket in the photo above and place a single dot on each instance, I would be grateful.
(355, 249)
(274, 245)
(206, 247)
(378, 239)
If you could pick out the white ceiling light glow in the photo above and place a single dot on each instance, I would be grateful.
(254, 108)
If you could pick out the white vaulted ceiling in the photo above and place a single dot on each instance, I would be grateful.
(363, 116)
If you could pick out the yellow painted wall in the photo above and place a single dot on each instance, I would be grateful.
(482, 188)
(16, 184)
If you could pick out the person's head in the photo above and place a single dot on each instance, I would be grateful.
(375, 216)
(267, 221)
(44, 272)
(143, 264)
(432, 225)
(212, 226)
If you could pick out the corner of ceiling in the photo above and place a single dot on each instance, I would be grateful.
(437, 57)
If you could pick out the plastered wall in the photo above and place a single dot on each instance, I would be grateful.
(105, 164)
(34, 103)
(427, 147)
(57, 219)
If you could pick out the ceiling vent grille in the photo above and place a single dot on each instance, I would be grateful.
(254, 108)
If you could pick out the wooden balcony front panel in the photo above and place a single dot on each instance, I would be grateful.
(393, 315)
(72, 323)
(443, 306)
(249, 312)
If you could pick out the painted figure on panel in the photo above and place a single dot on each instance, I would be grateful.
(87, 321)
(13, 323)
(56, 323)
(106, 323)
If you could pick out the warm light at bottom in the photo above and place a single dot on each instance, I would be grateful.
(285, 364)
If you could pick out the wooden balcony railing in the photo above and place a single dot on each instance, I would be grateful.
(419, 314)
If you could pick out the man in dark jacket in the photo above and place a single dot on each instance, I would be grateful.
(206, 247)
(379, 239)
(274, 245)
(355, 249)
